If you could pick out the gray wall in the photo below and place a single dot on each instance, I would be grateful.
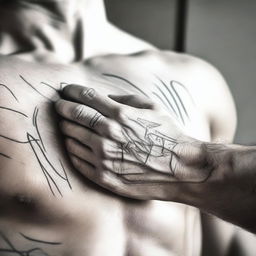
(152, 20)
(224, 32)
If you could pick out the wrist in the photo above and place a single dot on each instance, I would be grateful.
(230, 191)
(216, 162)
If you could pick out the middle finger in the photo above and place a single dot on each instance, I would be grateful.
(82, 114)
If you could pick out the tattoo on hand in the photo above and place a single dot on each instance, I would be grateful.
(95, 120)
(153, 145)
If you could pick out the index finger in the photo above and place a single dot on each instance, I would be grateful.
(91, 98)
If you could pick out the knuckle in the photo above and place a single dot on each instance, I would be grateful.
(120, 114)
(97, 120)
(79, 113)
(113, 130)
(87, 94)
(109, 127)
(60, 106)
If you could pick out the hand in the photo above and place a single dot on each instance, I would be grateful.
(129, 145)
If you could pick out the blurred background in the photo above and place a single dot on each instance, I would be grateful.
(222, 32)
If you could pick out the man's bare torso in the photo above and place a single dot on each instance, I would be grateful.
(47, 208)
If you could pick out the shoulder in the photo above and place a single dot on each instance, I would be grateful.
(205, 83)
(207, 86)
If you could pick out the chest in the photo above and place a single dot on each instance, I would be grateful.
(169, 86)
(85, 208)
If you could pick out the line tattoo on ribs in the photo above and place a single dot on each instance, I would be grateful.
(53, 175)
(8, 247)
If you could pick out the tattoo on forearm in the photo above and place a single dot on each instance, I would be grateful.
(8, 247)
(54, 176)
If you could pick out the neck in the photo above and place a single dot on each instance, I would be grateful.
(54, 27)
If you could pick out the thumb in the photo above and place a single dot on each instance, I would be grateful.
(135, 101)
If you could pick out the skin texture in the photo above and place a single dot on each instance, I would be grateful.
(46, 213)
(150, 164)
(60, 213)
(124, 144)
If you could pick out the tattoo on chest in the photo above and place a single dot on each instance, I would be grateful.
(55, 175)
(169, 94)
(170, 97)
(9, 248)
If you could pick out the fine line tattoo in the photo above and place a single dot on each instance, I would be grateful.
(13, 110)
(35, 124)
(9, 248)
(39, 241)
(95, 120)
(9, 90)
(4, 155)
(33, 87)
(52, 175)
(167, 94)
(126, 81)
(152, 146)
(170, 97)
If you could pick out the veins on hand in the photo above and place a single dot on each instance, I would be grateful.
(151, 147)
(154, 144)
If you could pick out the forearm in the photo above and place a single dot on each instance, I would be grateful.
(230, 191)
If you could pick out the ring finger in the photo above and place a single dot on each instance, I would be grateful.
(80, 151)
(83, 135)
(82, 114)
